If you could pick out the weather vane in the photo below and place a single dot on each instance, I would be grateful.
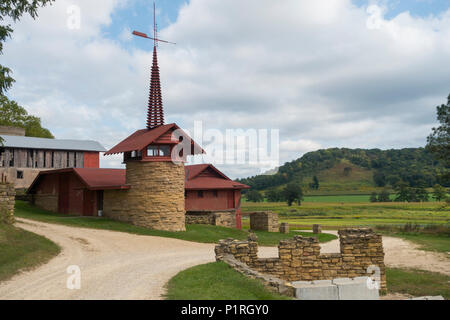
(155, 31)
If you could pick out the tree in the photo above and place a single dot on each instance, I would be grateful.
(314, 184)
(274, 195)
(379, 179)
(402, 193)
(439, 192)
(373, 197)
(438, 142)
(11, 114)
(384, 196)
(254, 196)
(293, 193)
(347, 171)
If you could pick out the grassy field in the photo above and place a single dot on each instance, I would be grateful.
(216, 281)
(22, 250)
(417, 282)
(196, 233)
(335, 215)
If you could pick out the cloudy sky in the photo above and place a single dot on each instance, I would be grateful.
(325, 73)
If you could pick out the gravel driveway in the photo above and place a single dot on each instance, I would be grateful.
(114, 265)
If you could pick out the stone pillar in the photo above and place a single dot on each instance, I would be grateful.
(317, 228)
(155, 199)
(264, 221)
(284, 227)
(7, 200)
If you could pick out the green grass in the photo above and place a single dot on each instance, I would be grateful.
(335, 215)
(417, 282)
(22, 250)
(196, 233)
(216, 281)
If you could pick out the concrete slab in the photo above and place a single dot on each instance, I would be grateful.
(310, 291)
(355, 289)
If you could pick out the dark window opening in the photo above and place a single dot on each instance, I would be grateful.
(185, 194)
(11, 160)
(200, 194)
(158, 151)
(53, 159)
(19, 174)
(2, 157)
(74, 160)
(215, 193)
(67, 159)
(45, 159)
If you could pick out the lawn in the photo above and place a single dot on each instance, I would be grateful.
(196, 233)
(216, 281)
(220, 282)
(22, 250)
(417, 282)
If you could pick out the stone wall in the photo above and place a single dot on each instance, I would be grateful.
(300, 258)
(47, 202)
(7, 200)
(223, 218)
(264, 221)
(155, 199)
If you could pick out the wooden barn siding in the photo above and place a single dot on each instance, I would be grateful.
(32, 158)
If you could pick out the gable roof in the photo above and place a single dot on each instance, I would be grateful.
(196, 180)
(51, 144)
(142, 138)
(92, 178)
(110, 179)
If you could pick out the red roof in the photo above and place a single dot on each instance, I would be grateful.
(206, 176)
(92, 178)
(198, 177)
(142, 138)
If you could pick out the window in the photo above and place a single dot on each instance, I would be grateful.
(164, 151)
(158, 151)
(19, 174)
(200, 194)
(45, 159)
(53, 159)
(152, 151)
(215, 193)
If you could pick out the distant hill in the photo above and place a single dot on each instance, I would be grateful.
(354, 171)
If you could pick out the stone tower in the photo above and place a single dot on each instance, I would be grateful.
(155, 178)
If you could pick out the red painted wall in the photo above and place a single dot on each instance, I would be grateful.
(226, 199)
(92, 159)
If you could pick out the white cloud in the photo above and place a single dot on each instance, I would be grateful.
(309, 68)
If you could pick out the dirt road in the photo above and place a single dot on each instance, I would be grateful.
(114, 265)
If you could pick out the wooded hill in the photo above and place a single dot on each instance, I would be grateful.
(354, 171)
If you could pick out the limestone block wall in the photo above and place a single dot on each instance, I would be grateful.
(225, 218)
(7, 200)
(47, 202)
(300, 258)
(155, 199)
(264, 221)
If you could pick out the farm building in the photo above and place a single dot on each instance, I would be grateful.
(81, 191)
(22, 158)
(155, 190)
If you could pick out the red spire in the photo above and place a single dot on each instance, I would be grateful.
(155, 116)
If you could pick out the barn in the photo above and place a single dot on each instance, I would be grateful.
(80, 191)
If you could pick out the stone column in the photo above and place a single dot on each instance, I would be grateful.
(156, 197)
